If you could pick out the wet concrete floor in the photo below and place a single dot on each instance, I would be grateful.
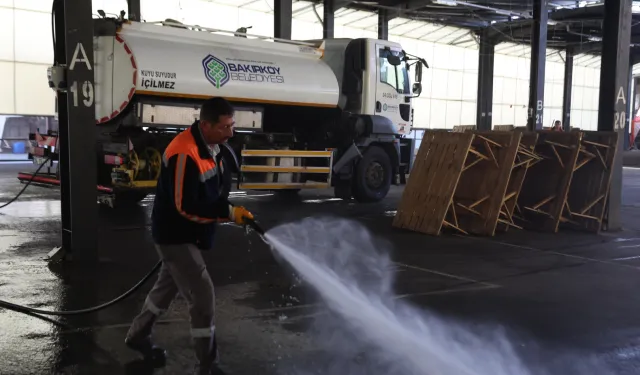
(567, 300)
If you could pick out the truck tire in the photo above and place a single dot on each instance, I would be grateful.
(372, 179)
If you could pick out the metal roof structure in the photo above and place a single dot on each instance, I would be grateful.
(575, 24)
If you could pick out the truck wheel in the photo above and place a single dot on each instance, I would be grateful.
(372, 179)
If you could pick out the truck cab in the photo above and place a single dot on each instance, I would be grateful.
(374, 85)
(373, 76)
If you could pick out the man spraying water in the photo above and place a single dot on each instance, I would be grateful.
(191, 197)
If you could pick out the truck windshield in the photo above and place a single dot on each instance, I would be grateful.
(394, 76)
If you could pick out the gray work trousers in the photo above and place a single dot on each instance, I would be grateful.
(183, 270)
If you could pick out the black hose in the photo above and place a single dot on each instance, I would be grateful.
(26, 185)
(254, 225)
(29, 310)
(32, 311)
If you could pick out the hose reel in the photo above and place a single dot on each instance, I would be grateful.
(145, 166)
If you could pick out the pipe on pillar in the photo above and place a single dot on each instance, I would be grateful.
(282, 15)
(383, 24)
(327, 20)
(568, 84)
(614, 81)
(538, 60)
(485, 81)
(628, 110)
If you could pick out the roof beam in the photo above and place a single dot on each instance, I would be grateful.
(338, 4)
(408, 6)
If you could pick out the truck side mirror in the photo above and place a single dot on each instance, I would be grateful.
(417, 88)
(394, 60)
(418, 72)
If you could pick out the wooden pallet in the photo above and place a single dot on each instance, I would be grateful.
(525, 158)
(546, 184)
(429, 191)
(480, 195)
(459, 181)
(590, 183)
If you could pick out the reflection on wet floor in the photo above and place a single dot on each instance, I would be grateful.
(322, 200)
(31, 210)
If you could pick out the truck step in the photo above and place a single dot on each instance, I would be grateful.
(284, 185)
(284, 169)
(287, 153)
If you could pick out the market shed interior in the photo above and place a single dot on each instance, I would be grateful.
(560, 284)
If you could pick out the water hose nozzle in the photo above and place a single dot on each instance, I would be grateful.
(254, 225)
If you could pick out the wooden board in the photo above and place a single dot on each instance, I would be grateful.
(503, 128)
(524, 158)
(463, 128)
(546, 184)
(480, 193)
(589, 188)
(429, 191)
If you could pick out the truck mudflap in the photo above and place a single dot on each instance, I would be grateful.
(407, 157)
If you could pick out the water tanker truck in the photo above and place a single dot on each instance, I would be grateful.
(311, 114)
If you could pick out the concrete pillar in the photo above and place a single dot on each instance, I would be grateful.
(568, 82)
(614, 81)
(327, 19)
(383, 24)
(133, 10)
(282, 15)
(538, 60)
(76, 110)
(485, 81)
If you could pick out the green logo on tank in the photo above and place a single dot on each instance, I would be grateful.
(216, 71)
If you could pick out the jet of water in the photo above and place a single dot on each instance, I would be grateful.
(346, 265)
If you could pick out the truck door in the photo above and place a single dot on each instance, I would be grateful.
(392, 88)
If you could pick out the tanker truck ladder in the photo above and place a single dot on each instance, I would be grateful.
(285, 169)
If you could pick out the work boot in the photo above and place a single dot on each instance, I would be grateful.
(151, 353)
(213, 370)
(207, 354)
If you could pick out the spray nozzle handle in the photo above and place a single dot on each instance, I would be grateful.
(254, 225)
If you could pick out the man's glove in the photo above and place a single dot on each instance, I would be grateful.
(237, 214)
